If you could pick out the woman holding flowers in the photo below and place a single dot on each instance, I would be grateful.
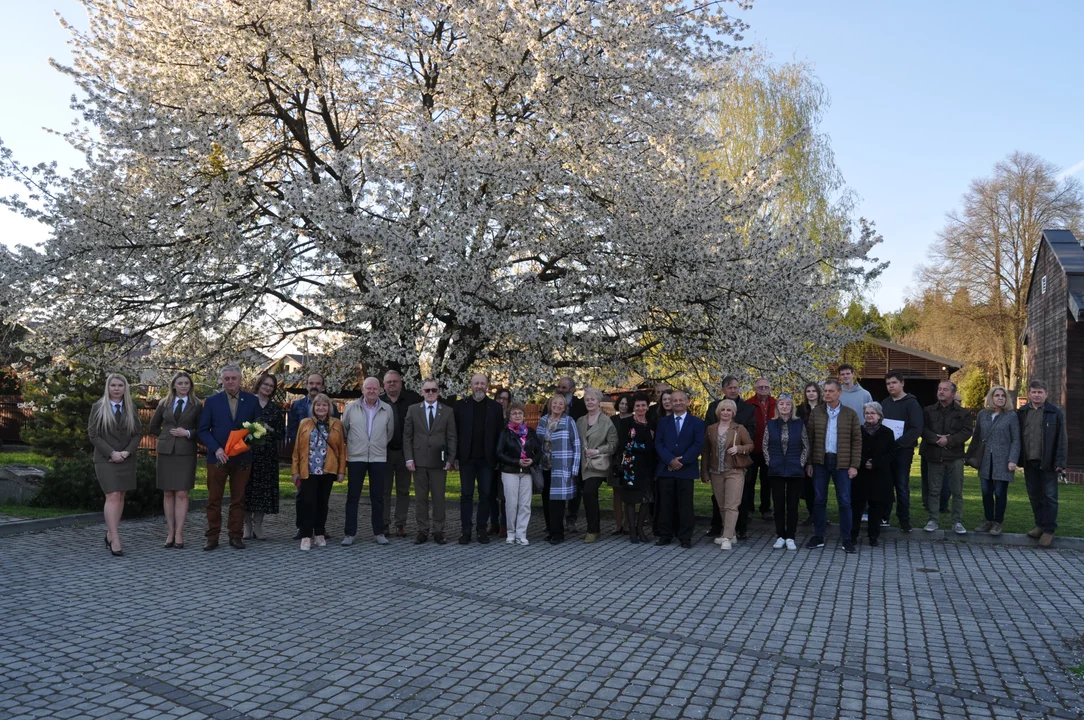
(176, 424)
(518, 451)
(319, 462)
(262, 491)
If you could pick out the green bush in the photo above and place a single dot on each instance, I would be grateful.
(72, 484)
(61, 401)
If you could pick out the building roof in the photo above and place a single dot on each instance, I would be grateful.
(946, 362)
(1068, 250)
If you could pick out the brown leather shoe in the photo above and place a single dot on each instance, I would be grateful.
(211, 544)
(237, 543)
(400, 531)
(1035, 533)
(1046, 540)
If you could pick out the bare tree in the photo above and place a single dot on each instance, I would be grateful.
(987, 248)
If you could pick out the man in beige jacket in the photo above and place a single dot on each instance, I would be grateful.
(368, 424)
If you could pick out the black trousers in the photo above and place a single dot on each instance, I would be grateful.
(573, 503)
(877, 510)
(676, 495)
(761, 468)
(591, 487)
(786, 491)
(748, 503)
(312, 500)
(555, 517)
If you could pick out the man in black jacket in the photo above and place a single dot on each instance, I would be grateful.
(746, 416)
(945, 429)
(478, 422)
(903, 407)
(397, 474)
(1043, 454)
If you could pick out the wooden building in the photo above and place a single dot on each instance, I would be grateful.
(1054, 335)
(922, 371)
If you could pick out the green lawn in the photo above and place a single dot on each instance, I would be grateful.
(24, 511)
(1018, 517)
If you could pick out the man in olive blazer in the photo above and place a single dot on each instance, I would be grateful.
(835, 452)
(429, 444)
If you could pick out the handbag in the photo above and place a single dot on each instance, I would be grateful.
(537, 479)
(976, 450)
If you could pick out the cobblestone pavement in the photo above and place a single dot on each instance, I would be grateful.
(610, 630)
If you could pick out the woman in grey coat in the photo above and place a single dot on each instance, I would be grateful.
(998, 429)
(114, 430)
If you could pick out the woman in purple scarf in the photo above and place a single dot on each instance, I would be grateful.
(518, 450)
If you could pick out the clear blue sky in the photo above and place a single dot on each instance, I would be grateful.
(925, 97)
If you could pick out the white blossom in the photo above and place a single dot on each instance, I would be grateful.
(514, 186)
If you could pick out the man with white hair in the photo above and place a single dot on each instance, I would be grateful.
(368, 425)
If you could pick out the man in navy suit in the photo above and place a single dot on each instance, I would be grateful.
(678, 442)
(223, 413)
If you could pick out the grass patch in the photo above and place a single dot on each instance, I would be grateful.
(34, 513)
(1018, 516)
(1077, 670)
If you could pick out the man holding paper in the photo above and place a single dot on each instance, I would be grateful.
(224, 413)
(903, 415)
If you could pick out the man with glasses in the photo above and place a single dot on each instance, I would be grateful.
(429, 445)
(763, 410)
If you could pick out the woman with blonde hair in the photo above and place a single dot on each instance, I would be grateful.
(319, 461)
(994, 450)
(726, 455)
(598, 438)
(560, 464)
(176, 425)
(786, 449)
(114, 430)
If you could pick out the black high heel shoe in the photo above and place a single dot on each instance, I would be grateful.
(114, 553)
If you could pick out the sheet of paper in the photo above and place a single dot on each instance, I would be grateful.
(896, 426)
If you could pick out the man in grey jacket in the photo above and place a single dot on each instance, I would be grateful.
(368, 425)
(903, 407)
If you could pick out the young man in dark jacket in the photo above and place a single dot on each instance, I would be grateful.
(1043, 451)
(903, 407)
(946, 427)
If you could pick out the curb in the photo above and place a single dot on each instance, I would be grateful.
(18, 527)
(756, 525)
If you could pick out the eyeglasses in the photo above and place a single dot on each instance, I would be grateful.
(428, 390)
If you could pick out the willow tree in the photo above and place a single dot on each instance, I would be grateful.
(436, 186)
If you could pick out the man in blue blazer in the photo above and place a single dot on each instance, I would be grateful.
(222, 413)
(679, 439)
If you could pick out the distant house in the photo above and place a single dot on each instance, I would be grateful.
(922, 371)
(1054, 335)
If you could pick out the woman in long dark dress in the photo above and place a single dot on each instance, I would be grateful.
(262, 490)
(874, 483)
(636, 443)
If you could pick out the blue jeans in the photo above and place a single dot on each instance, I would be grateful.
(1042, 486)
(995, 494)
(355, 479)
(469, 471)
(821, 475)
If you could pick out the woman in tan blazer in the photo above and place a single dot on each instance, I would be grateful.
(319, 462)
(726, 455)
(114, 431)
(175, 423)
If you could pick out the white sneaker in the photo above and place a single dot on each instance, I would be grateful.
(865, 517)
(931, 526)
(523, 541)
(725, 544)
(780, 543)
(959, 529)
(348, 540)
(791, 545)
(319, 541)
(381, 540)
(306, 543)
(511, 540)
(718, 540)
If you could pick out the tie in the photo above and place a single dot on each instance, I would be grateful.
(430, 417)
(116, 411)
(677, 424)
(178, 408)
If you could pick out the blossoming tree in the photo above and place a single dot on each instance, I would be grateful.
(522, 186)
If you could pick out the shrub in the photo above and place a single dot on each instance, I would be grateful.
(72, 484)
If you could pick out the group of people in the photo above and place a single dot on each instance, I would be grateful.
(650, 454)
